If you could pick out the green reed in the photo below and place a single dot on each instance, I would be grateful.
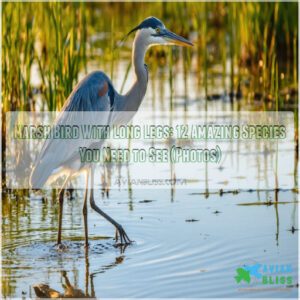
(57, 37)
(17, 58)
(61, 58)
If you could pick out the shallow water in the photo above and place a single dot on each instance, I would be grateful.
(185, 246)
(188, 242)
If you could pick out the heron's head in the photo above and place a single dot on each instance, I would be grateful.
(152, 32)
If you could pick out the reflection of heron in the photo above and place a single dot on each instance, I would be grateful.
(96, 93)
(70, 291)
(43, 290)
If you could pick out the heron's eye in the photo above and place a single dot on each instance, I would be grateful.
(157, 30)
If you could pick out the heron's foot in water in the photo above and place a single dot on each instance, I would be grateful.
(61, 247)
(124, 239)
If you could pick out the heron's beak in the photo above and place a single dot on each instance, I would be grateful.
(175, 39)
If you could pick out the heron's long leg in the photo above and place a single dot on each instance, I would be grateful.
(123, 236)
(61, 204)
(87, 271)
(84, 211)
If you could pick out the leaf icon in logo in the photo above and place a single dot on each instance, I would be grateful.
(242, 274)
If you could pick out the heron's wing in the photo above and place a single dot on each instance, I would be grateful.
(88, 92)
(93, 94)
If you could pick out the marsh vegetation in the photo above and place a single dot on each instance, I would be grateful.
(245, 58)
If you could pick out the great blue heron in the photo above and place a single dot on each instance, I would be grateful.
(95, 92)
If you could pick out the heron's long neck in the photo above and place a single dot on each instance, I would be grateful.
(135, 95)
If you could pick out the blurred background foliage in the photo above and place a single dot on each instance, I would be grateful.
(46, 45)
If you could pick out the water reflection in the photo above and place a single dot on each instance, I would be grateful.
(166, 245)
(43, 290)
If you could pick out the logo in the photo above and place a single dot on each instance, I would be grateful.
(264, 274)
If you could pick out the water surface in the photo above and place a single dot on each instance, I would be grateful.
(188, 245)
